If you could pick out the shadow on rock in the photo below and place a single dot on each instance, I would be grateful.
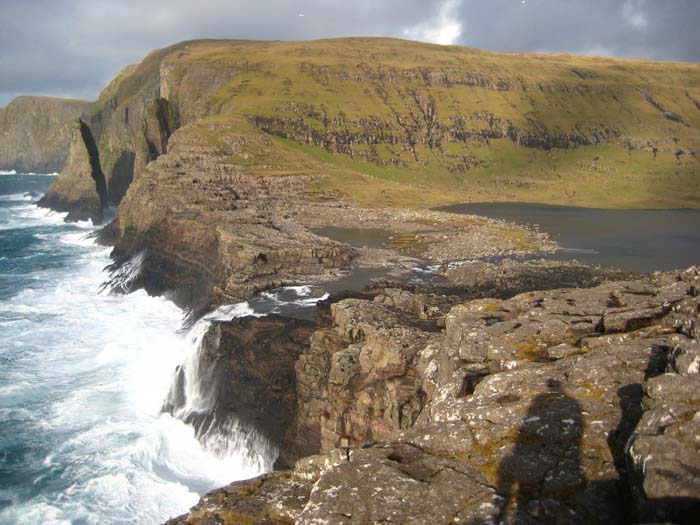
(544, 469)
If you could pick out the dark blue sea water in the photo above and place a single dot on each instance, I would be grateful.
(83, 376)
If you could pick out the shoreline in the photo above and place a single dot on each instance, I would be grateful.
(378, 348)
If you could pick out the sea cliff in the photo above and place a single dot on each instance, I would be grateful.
(35, 133)
(224, 155)
(545, 392)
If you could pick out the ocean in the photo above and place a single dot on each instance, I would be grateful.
(83, 376)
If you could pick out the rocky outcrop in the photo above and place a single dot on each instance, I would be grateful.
(35, 133)
(561, 406)
(352, 137)
(510, 277)
(662, 453)
(211, 232)
(81, 190)
(249, 364)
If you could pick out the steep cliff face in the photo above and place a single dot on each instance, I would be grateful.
(214, 232)
(35, 133)
(81, 190)
(561, 406)
(223, 152)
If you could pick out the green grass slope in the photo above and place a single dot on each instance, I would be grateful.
(404, 123)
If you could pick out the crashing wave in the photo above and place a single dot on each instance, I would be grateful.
(195, 391)
(123, 276)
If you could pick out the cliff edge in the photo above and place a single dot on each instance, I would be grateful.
(567, 406)
(225, 156)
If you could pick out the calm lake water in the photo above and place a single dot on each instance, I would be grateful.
(634, 240)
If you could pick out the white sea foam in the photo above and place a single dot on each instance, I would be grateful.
(28, 215)
(77, 239)
(14, 172)
(302, 296)
(228, 312)
(19, 197)
(89, 375)
(193, 394)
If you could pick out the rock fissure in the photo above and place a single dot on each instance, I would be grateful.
(95, 167)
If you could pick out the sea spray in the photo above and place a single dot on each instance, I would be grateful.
(83, 376)
(195, 395)
(123, 277)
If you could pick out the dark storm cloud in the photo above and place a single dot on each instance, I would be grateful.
(73, 47)
(652, 29)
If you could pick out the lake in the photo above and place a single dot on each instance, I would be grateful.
(634, 240)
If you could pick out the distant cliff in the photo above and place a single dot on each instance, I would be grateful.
(35, 133)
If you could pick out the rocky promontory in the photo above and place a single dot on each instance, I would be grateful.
(226, 157)
(390, 122)
(530, 392)
(35, 133)
(562, 406)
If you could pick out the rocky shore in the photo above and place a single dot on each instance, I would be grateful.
(223, 235)
(483, 392)
(573, 405)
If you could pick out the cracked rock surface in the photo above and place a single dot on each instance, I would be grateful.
(559, 406)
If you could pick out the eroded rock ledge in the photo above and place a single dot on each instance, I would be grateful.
(561, 406)
(212, 232)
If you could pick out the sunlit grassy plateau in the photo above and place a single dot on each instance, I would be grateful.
(392, 122)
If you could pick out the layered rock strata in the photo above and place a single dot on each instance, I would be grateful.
(561, 406)
(223, 155)
(213, 232)
(426, 121)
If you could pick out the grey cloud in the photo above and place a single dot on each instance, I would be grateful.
(652, 29)
(73, 47)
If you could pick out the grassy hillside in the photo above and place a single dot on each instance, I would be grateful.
(399, 122)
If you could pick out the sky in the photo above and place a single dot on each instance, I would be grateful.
(72, 48)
